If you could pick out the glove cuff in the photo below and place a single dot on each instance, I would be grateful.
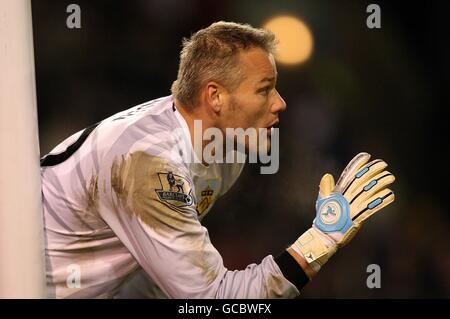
(315, 247)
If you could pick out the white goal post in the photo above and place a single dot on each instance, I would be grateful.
(21, 226)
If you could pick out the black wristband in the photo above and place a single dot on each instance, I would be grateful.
(292, 270)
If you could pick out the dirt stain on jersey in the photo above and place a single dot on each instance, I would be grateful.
(92, 195)
(199, 258)
(134, 179)
(277, 286)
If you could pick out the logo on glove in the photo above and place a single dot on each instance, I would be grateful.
(330, 213)
(333, 214)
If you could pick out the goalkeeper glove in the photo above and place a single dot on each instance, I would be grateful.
(342, 209)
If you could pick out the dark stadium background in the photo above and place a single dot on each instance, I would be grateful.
(377, 90)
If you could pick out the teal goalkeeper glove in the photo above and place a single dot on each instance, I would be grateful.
(342, 209)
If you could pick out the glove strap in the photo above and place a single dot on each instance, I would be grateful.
(315, 248)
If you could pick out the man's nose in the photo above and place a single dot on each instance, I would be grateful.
(279, 104)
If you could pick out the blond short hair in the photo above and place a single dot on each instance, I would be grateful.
(211, 54)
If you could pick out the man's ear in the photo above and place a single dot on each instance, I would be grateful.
(215, 95)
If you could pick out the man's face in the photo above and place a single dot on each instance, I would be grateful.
(255, 103)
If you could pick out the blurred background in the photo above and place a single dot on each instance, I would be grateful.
(382, 91)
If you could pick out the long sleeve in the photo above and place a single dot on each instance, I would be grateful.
(150, 206)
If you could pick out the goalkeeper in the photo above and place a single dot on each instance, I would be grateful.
(123, 209)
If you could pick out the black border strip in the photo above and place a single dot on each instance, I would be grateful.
(52, 160)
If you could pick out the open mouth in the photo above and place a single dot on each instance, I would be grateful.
(273, 125)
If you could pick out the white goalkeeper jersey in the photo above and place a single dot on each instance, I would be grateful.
(122, 211)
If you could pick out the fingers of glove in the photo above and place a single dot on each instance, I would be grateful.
(370, 191)
(381, 200)
(362, 177)
(326, 185)
(351, 169)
